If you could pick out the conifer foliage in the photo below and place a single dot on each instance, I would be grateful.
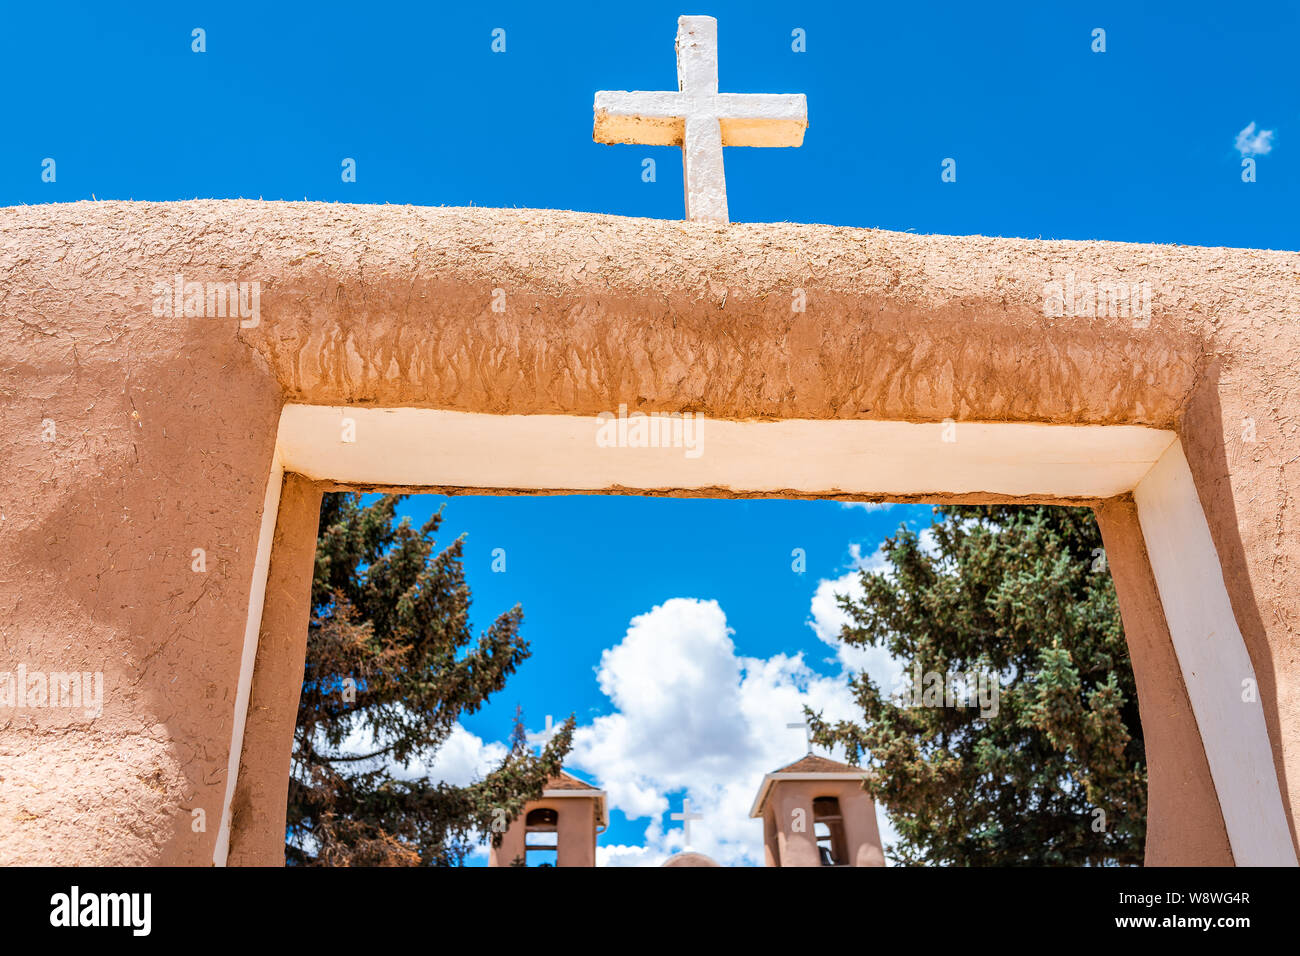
(1057, 776)
(391, 666)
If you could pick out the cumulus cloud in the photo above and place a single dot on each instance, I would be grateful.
(1252, 143)
(869, 505)
(463, 758)
(623, 855)
(827, 618)
(693, 718)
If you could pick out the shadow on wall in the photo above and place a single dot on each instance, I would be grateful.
(1210, 441)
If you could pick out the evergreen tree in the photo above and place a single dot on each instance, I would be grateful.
(391, 666)
(1058, 775)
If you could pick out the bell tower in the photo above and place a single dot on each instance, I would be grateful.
(815, 813)
(560, 829)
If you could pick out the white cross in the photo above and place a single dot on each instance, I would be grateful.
(700, 119)
(807, 732)
(686, 817)
(541, 739)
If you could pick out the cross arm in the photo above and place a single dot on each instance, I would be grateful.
(655, 119)
(762, 119)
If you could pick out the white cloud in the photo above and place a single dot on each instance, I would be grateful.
(869, 505)
(828, 619)
(874, 562)
(462, 759)
(694, 717)
(622, 855)
(1251, 143)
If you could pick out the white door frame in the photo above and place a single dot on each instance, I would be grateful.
(410, 447)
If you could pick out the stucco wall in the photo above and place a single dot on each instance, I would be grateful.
(789, 834)
(163, 428)
(575, 833)
(1184, 822)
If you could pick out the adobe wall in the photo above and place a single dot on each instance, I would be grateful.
(1184, 822)
(791, 800)
(575, 833)
(163, 428)
(261, 799)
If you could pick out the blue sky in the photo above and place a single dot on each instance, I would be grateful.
(1143, 142)
(1051, 139)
